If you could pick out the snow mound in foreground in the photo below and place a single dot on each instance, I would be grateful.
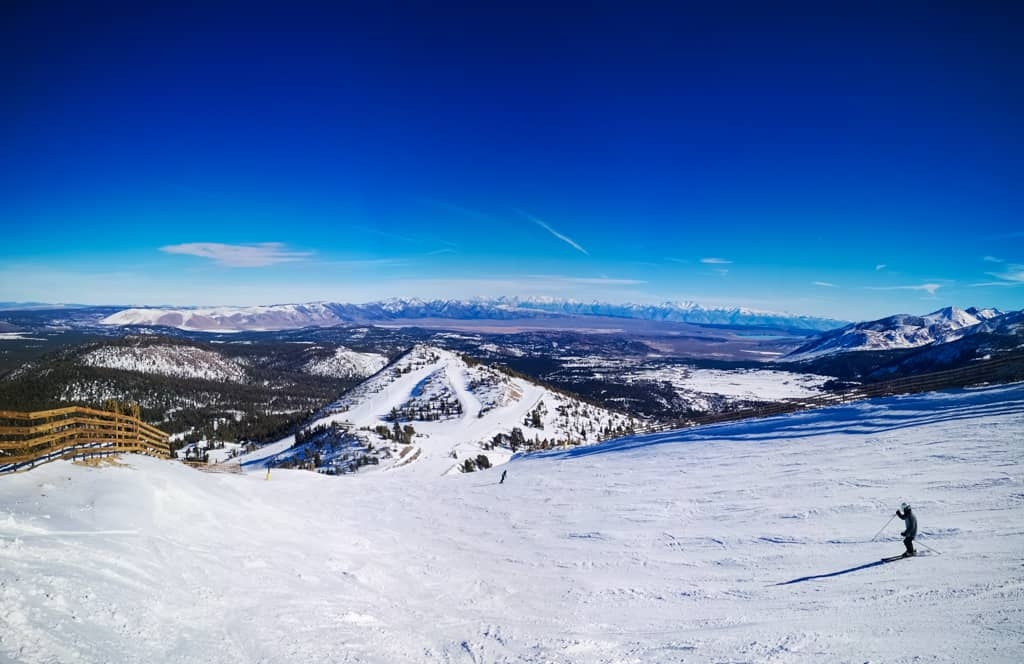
(748, 541)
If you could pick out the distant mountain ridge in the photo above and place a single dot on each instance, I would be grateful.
(899, 332)
(322, 314)
(997, 336)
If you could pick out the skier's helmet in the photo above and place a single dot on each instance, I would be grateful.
(904, 507)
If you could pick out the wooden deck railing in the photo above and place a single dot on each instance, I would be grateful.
(29, 439)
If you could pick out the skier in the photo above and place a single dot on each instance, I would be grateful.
(503, 473)
(910, 532)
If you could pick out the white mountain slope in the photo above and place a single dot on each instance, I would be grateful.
(229, 319)
(168, 360)
(895, 332)
(455, 409)
(745, 542)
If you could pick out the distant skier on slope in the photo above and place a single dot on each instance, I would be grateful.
(910, 521)
(503, 473)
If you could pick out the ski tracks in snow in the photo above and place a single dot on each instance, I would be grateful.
(642, 553)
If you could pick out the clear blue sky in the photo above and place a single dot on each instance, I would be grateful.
(846, 162)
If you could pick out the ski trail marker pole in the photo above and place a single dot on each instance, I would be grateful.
(883, 528)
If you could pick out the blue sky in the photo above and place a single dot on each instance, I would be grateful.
(850, 163)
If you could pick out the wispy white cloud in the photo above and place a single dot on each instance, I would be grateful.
(715, 261)
(564, 238)
(684, 261)
(824, 284)
(927, 288)
(445, 250)
(880, 267)
(1012, 275)
(992, 259)
(261, 254)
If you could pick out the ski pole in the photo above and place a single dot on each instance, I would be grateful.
(883, 528)
(938, 553)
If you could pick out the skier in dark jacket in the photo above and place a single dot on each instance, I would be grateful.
(910, 521)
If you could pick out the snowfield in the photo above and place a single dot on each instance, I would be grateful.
(700, 386)
(346, 362)
(746, 542)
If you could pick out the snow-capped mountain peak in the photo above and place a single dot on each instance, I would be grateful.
(897, 332)
(956, 318)
(291, 316)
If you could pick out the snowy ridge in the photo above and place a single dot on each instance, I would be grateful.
(680, 312)
(344, 363)
(1009, 324)
(229, 319)
(742, 542)
(991, 338)
(896, 332)
(291, 316)
(168, 360)
(456, 410)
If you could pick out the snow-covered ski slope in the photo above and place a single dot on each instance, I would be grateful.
(454, 408)
(747, 542)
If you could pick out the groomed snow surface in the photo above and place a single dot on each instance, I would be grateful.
(747, 542)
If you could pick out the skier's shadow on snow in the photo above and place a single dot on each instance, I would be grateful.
(875, 563)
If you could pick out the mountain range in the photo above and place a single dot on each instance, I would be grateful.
(294, 316)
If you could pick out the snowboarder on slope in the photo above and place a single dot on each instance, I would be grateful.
(503, 473)
(910, 532)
